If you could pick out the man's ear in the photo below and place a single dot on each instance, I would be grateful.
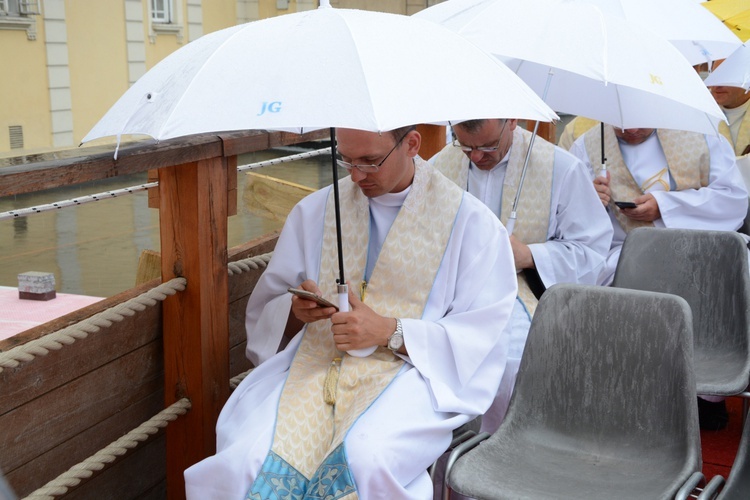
(413, 141)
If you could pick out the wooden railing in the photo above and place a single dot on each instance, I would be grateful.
(196, 193)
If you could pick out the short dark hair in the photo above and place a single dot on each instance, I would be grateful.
(400, 133)
(473, 126)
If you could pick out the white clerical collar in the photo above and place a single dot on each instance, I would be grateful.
(734, 113)
(392, 199)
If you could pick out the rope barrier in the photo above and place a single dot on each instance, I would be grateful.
(84, 470)
(54, 341)
(235, 381)
(23, 212)
(285, 159)
(251, 263)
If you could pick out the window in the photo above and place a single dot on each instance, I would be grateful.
(161, 11)
(18, 8)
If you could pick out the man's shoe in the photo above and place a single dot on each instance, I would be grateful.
(712, 416)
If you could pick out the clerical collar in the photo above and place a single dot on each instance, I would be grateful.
(735, 113)
(392, 199)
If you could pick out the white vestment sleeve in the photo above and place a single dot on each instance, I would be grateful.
(580, 232)
(296, 258)
(722, 205)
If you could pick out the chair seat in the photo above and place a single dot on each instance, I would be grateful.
(720, 371)
(539, 465)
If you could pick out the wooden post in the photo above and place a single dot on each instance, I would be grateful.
(433, 140)
(193, 220)
(546, 130)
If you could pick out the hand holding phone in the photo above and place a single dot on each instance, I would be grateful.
(304, 294)
(625, 204)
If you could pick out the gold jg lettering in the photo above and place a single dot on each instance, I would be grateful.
(655, 79)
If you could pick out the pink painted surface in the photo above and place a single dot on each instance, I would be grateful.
(17, 315)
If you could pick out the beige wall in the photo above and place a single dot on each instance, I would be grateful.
(24, 98)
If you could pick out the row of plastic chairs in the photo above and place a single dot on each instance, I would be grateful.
(605, 399)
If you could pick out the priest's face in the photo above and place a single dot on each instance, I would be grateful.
(730, 97)
(393, 158)
(633, 136)
(488, 140)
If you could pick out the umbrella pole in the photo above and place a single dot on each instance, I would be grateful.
(342, 289)
(511, 224)
(603, 172)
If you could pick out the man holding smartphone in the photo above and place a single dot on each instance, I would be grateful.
(675, 178)
(551, 244)
(431, 267)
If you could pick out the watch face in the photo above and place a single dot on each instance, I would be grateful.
(395, 342)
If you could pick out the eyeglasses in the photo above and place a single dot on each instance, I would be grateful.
(368, 169)
(481, 149)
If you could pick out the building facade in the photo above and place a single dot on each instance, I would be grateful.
(67, 61)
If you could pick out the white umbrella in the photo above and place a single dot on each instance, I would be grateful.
(734, 71)
(598, 65)
(319, 69)
(698, 34)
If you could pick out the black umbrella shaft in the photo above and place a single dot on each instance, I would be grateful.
(337, 207)
(601, 128)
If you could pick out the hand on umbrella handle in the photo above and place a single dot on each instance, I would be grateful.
(343, 300)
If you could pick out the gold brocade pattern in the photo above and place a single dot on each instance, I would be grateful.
(743, 135)
(533, 211)
(687, 158)
(307, 428)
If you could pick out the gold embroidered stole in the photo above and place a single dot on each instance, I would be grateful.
(581, 125)
(687, 159)
(307, 428)
(743, 135)
(533, 211)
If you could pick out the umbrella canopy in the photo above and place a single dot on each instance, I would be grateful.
(735, 14)
(734, 71)
(318, 69)
(597, 65)
(698, 34)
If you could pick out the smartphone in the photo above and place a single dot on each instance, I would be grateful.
(311, 296)
(625, 204)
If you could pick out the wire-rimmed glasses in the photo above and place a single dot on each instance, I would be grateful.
(368, 169)
(481, 149)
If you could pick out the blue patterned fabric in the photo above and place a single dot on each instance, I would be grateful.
(278, 480)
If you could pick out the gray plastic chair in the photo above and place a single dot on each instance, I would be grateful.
(709, 269)
(604, 404)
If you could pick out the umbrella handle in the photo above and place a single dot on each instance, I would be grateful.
(343, 299)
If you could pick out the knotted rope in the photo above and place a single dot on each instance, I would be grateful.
(245, 265)
(54, 341)
(84, 470)
(235, 381)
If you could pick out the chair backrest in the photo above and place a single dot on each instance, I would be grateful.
(709, 269)
(609, 371)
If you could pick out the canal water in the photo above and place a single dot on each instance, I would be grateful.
(93, 249)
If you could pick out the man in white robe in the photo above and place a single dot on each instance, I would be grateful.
(561, 235)
(398, 219)
(696, 185)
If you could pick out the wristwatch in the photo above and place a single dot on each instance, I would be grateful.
(396, 340)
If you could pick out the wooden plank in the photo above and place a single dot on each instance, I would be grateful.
(232, 185)
(47, 373)
(193, 230)
(149, 267)
(433, 140)
(94, 163)
(48, 466)
(257, 246)
(137, 476)
(153, 193)
(47, 421)
(271, 197)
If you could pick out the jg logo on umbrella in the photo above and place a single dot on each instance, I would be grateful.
(271, 107)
